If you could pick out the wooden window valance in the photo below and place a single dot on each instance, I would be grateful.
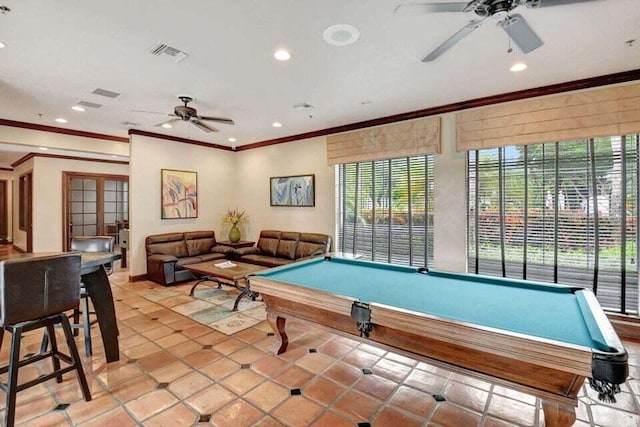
(571, 116)
(403, 139)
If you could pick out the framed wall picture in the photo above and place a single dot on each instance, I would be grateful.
(179, 194)
(297, 190)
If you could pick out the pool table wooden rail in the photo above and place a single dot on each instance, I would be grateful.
(545, 368)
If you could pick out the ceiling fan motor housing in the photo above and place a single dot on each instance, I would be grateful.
(184, 112)
(494, 7)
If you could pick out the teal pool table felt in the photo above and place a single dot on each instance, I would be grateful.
(531, 308)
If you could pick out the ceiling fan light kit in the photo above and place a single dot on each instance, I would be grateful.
(515, 25)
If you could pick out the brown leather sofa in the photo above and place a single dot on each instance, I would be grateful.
(168, 253)
(275, 248)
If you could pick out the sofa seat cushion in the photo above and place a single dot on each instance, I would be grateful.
(210, 257)
(267, 261)
(186, 261)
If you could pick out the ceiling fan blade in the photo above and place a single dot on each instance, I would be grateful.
(203, 126)
(462, 33)
(430, 7)
(534, 4)
(217, 119)
(168, 122)
(521, 33)
(150, 112)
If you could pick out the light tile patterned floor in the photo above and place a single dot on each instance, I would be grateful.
(175, 371)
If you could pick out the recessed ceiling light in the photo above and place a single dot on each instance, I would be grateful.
(167, 125)
(282, 55)
(61, 120)
(341, 35)
(114, 155)
(518, 66)
(2, 45)
(277, 125)
(232, 140)
(43, 148)
(77, 108)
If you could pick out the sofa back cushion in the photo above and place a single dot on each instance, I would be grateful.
(268, 242)
(199, 242)
(166, 244)
(312, 244)
(287, 245)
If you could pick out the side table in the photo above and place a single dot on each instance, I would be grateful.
(236, 245)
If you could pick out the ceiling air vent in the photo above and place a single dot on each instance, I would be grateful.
(169, 52)
(107, 93)
(128, 123)
(89, 104)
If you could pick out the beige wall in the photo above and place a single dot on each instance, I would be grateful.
(450, 203)
(34, 138)
(255, 167)
(228, 180)
(47, 191)
(217, 185)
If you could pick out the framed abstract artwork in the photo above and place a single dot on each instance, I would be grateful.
(297, 190)
(179, 194)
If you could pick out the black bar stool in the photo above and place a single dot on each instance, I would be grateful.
(35, 291)
(89, 244)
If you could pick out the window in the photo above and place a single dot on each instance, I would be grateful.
(385, 210)
(559, 212)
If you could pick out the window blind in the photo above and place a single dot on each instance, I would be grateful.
(385, 210)
(402, 139)
(559, 212)
(564, 117)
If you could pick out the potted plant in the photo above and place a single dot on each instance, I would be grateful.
(234, 219)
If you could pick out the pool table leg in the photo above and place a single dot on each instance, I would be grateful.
(557, 414)
(277, 324)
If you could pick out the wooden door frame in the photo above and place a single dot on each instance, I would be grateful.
(4, 211)
(26, 193)
(67, 176)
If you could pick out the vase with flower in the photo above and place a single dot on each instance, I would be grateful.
(234, 219)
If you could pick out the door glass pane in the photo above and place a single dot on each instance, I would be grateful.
(89, 207)
(77, 219)
(76, 196)
(89, 196)
(89, 184)
(76, 184)
(76, 207)
(77, 230)
(110, 185)
(90, 219)
(90, 230)
(109, 196)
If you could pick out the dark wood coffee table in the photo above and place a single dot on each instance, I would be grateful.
(230, 276)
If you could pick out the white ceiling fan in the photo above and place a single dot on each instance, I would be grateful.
(190, 114)
(514, 25)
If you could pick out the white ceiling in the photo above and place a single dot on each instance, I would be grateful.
(58, 52)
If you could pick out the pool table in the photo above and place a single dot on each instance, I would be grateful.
(542, 339)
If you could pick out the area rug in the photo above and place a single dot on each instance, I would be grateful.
(210, 306)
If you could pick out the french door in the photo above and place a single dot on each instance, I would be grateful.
(94, 205)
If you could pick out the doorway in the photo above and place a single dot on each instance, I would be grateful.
(94, 205)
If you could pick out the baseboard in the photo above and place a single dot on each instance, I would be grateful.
(625, 326)
(17, 249)
(138, 278)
